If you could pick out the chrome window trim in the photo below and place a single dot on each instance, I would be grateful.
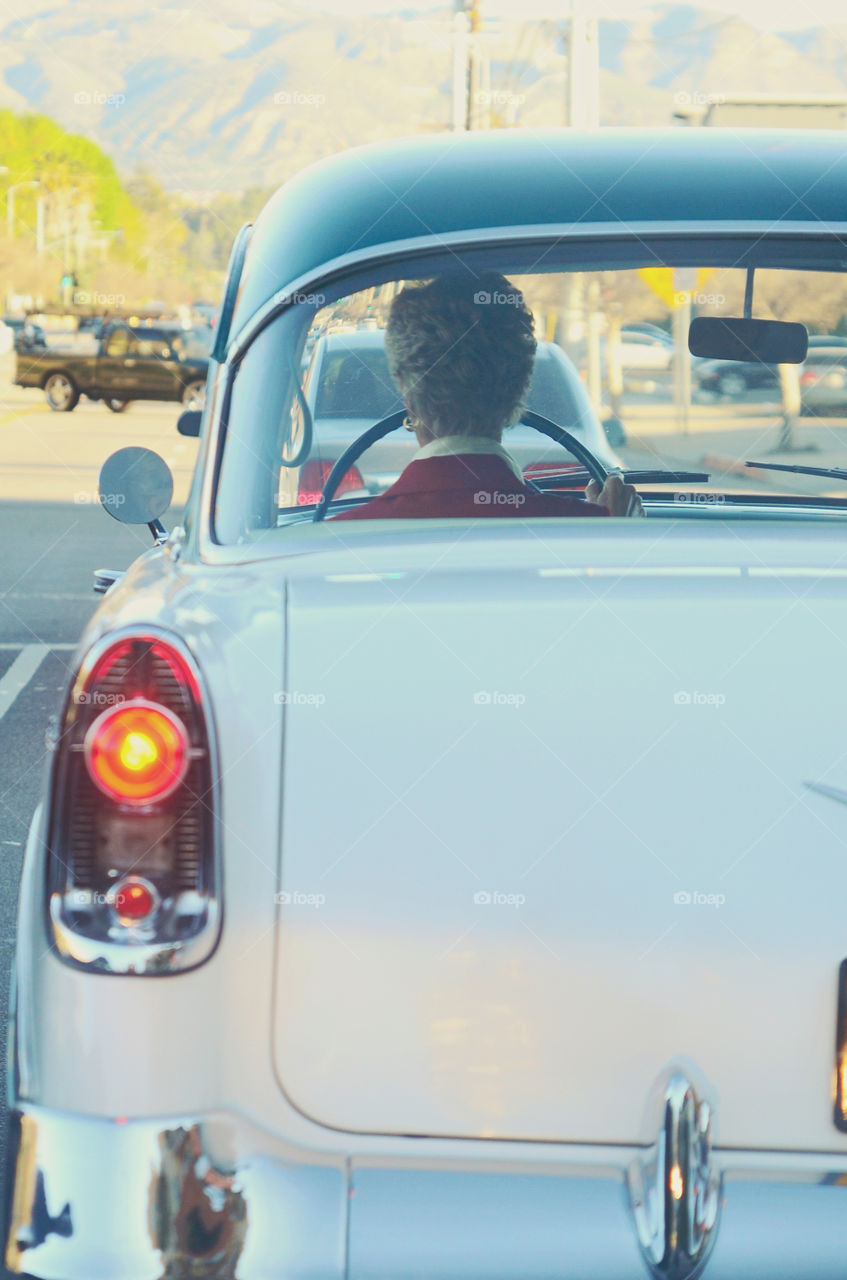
(544, 232)
(144, 958)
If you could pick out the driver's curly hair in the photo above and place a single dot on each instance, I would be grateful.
(461, 349)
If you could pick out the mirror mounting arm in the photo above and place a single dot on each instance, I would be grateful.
(159, 532)
(748, 294)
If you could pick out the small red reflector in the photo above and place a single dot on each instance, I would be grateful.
(134, 899)
(314, 475)
(137, 752)
(535, 469)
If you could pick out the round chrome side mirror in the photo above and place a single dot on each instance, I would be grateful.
(136, 486)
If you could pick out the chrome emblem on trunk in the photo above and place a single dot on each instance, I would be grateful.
(674, 1192)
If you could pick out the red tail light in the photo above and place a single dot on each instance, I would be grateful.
(137, 753)
(314, 475)
(133, 881)
(808, 377)
(541, 470)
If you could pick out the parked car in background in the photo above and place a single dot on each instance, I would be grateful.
(193, 341)
(643, 328)
(30, 336)
(640, 349)
(823, 380)
(734, 378)
(827, 340)
(348, 387)
(142, 362)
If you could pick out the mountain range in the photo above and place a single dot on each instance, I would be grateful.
(221, 99)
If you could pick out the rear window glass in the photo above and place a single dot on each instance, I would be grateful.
(356, 384)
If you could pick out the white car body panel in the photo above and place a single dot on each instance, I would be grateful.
(400, 1010)
(708, 971)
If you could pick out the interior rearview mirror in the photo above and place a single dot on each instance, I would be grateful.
(188, 422)
(136, 485)
(735, 338)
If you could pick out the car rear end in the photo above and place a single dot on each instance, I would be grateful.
(467, 1007)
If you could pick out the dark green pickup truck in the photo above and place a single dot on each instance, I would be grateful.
(131, 363)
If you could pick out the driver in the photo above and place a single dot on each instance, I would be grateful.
(461, 349)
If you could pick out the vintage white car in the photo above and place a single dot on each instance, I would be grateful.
(452, 897)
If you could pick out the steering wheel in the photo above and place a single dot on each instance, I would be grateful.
(354, 451)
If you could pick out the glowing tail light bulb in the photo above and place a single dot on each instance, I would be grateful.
(134, 900)
(137, 752)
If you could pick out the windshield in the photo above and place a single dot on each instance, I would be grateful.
(611, 365)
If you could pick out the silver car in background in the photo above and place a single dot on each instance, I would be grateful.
(349, 387)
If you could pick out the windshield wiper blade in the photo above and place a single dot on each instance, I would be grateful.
(836, 473)
(552, 479)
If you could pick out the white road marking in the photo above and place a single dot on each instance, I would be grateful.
(44, 595)
(21, 644)
(20, 673)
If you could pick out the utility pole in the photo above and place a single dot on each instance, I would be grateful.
(476, 73)
(10, 203)
(583, 112)
(583, 69)
(471, 76)
(40, 212)
(461, 30)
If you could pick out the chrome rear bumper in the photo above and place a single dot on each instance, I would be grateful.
(210, 1197)
(92, 1199)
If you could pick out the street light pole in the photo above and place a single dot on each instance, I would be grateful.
(461, 30)
(39, 224)
(10, 203)
(583, 69)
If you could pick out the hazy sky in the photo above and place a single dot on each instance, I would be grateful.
(772, 14)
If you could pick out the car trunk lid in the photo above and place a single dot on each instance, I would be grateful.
(545, 832)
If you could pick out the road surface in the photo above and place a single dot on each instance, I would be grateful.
(53, 534)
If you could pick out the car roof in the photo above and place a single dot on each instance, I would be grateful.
(442, 185)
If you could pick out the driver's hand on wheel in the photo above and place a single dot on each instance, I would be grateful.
(618, 498)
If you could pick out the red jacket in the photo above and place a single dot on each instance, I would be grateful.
(465, 484)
